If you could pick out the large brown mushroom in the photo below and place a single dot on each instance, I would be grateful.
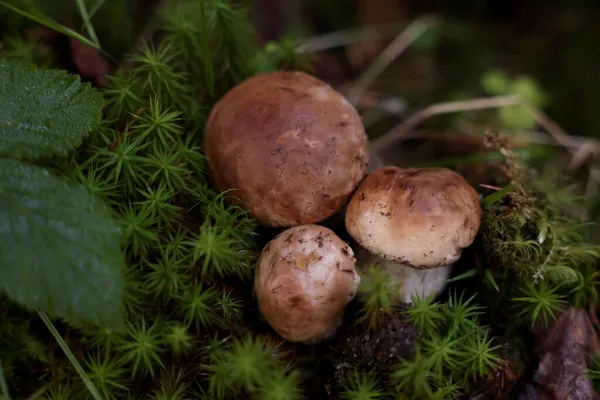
(290, 147)
(304, 279)
(415, 223)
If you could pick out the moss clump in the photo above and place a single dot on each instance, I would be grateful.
(192, 328)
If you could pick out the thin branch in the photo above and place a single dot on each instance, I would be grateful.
(401, 130)
(524, 138)
(390, 53)
(496, 188)
(348, 37)
(582, 154)
(575, 142)
(558, 133)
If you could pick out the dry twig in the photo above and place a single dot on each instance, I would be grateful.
(390, 53)
(347, 37)
(441, 108)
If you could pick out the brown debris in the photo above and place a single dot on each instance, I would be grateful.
(89, 63)
(564, 350)
(360, 349)
(498, 385)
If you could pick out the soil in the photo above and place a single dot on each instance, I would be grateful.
(358, 349)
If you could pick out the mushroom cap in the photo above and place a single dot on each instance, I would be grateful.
(305, 277)
(420, 217)
(289, 146)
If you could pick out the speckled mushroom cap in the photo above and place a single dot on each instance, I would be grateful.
(292, 147)
(421, 217)
(305, 277)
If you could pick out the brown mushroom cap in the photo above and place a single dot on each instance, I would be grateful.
(421, 217)
(292, 147)
(305, 277)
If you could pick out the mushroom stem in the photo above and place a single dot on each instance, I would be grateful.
(408, 281)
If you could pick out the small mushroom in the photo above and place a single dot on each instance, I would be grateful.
(288, 146)
(415, 222)
(304, 279)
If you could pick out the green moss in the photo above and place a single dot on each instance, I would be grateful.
(190, 249)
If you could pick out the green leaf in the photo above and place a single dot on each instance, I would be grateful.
(43, 111)
(59, 247)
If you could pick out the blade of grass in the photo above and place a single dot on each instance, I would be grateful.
(87, 24)
(3, 384)
(498, 195)
(96, 7)
(391, 53)
(86, 380)
(469, 274)
(39, 393)
(208, 67)
(49, 23)
(490, 278)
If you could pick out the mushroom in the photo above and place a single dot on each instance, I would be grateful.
(415, 223)
(288, 146)
(304, 279)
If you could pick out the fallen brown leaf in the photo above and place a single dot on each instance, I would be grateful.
(563, 351)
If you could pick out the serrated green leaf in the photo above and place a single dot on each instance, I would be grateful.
(44, 111)
(59, 247)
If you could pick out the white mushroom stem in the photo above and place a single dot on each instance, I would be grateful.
(408, 281)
